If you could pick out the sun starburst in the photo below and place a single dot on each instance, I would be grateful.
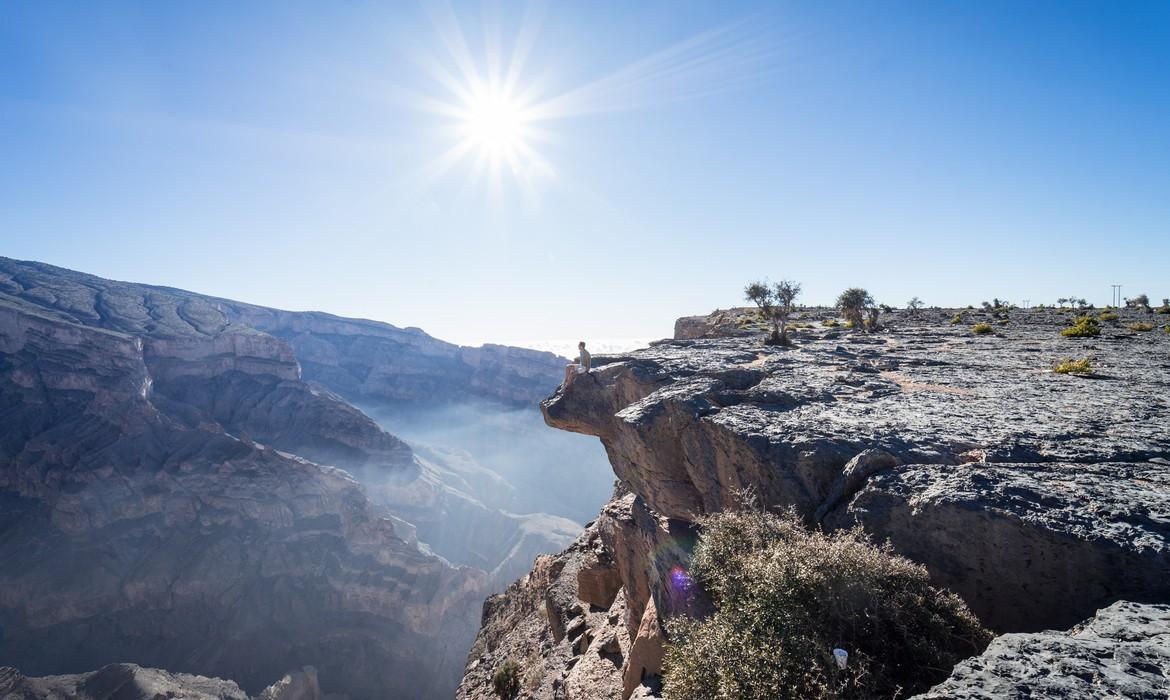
(498, 121)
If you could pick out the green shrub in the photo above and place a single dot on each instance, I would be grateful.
(1083, 327)
(1071, 366)
(981, 328)
(957, 319)
(830, 323)
(506, 681)
(785, 597)
(1107, 316)
(1166, 328)
(1143, 327)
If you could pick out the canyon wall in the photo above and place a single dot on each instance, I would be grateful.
(169, 493)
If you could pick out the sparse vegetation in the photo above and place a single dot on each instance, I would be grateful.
(1083, 366)
(1141, 327)
(785, 597)
(830, 323)
(957, 319)
(1083, 327)
(506, 681)
(775, 304)
(1141, 301)
(914, 305)
(982, 328)
(1107, 316)
(853, 303)
(1164, 308)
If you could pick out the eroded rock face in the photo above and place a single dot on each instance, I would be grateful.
(584, 623)
(283, 379)
(1027, 545)
(1122, 652)
(1039, 497)
(161, 502)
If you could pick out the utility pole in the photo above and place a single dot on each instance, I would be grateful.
(1026, 303)
(1116, 299)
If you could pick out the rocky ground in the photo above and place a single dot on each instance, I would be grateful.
(1039, 497)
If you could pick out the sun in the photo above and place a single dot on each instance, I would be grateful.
(496, 124)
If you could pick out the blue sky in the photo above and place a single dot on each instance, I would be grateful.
(285, 154)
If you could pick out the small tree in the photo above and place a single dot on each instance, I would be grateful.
(1141, 301)
(914, 305)
(853, 303)
(775, 304)
(785, 293)
(1062, 301)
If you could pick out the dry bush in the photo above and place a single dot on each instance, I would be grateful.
(506, 681)
(1083, 327)
(1071, 366)
(785, 597)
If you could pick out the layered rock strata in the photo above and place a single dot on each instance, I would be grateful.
(164, 498)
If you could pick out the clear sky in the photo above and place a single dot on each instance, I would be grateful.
(505, 172)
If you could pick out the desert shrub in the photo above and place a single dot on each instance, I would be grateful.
(534, 672)
(957, 319)
(1106, 316)
(1071, 366)
(1139, 326)
(1166, 328)
(914, 305)
(853, 303)
(1083, 327)
(785, 597)
(981, 328)
(506, 681)
(1162, 310)
(849, 324)
(830, 323)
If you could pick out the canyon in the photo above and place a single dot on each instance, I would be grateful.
(205, 498)
(188, 483)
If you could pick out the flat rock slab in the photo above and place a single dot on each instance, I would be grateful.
(1122, 652)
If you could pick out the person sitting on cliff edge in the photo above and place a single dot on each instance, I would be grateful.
(579, 366)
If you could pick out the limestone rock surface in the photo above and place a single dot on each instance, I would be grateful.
(1121, 652)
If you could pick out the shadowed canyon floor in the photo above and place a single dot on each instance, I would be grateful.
(1040, 498)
